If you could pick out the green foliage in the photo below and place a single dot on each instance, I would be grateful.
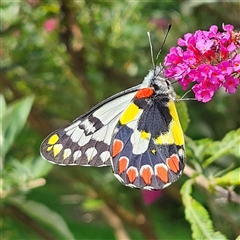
(231, 178)
(197, 215)
(18, 177)
(13, 120)
(205, 152)
(183, 115)
(229, 145)
(43, 215)
(94, 50)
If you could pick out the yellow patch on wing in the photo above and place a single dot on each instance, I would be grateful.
(49, 148)
(144, 135)
(53, 139)
(175, 126)
(129, 114)
(153, 151)
(166, 138)
(57, 149)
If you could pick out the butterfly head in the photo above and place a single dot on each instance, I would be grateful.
(161, 85)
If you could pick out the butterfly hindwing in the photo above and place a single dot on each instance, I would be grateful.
(144, 150)
(87, 140)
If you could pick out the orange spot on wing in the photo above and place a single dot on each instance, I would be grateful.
(144, 93)
(147, 175)
(122, 165)
(117, 147)
(173, 163)
(132, 174)
(162, 173)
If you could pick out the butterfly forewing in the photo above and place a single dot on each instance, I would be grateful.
(87, 140)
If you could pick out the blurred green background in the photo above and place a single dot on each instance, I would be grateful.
(58, 59)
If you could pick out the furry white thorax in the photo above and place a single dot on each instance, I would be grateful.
(161, 85)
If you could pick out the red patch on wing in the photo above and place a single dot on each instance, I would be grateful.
(122, 164)
(144, 93)
(132, 174)
(173, 163)
(162, 173)
(117, 147)
(146, 174)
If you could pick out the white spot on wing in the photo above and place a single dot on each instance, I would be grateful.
(84, 140)
(166, 185)
(140, 145)
(88, 126)
(113, 108)
(104, 156)
(119, 178)
(76, 135)
(69, 131)
(105, 133)
(131, 185)
(90, 153)
(66, 153)
(77, 155)
(181, 153)
(148, 188)
(100, 134)
(72, 126)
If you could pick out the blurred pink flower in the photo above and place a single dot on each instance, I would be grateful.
(51, 24)
(150, 197)
(33, 3)
(160, 23)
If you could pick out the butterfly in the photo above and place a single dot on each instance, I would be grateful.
(137, 132)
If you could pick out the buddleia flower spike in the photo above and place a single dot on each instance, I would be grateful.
(209, 59)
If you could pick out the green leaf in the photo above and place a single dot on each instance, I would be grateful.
(230, 179)
(13, 122)
(25, 175)
(207, 151)
(92, 204)
(197, 148)
(41, 168)
(229, 145)
(197, 216)
(183, 114)
(45, 216)
(3, 106)
(37, 167)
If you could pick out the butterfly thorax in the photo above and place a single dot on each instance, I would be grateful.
(161, 85)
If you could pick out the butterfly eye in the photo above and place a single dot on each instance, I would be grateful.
(156, 87)
(168, 83)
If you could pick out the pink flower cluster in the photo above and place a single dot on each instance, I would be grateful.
(209, 59)
(51, 24)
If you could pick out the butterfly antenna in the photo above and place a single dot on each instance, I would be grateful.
(187, 99)
(165, 38)
(151, 49)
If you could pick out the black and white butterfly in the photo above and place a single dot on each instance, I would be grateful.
(136, 132)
